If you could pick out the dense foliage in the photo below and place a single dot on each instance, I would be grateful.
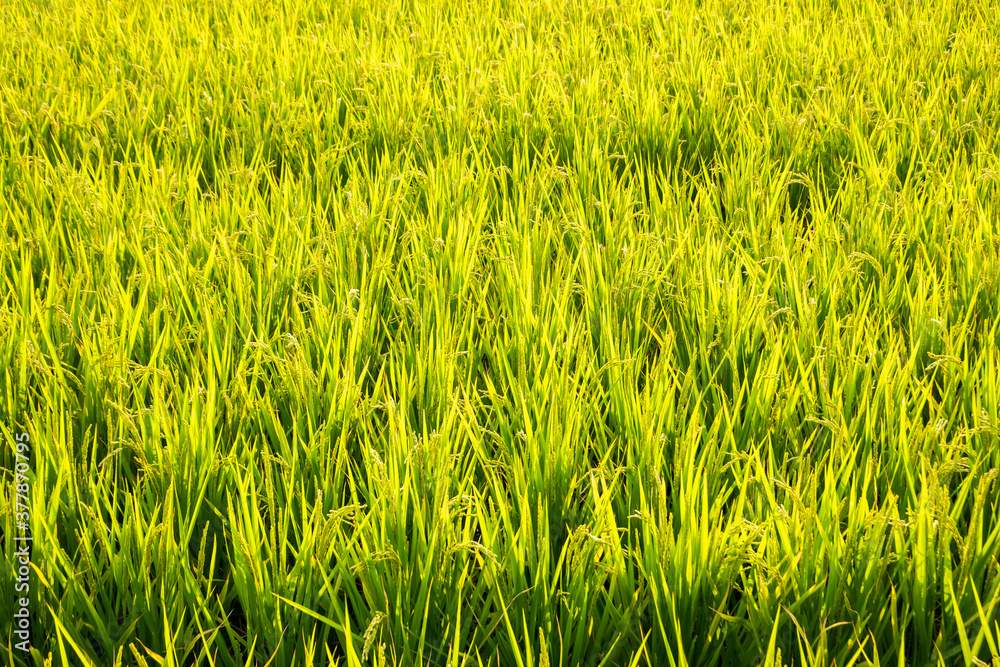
(503, 332)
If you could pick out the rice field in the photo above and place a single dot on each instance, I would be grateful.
(518, 333)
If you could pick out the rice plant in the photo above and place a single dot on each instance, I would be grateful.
(502, 332)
